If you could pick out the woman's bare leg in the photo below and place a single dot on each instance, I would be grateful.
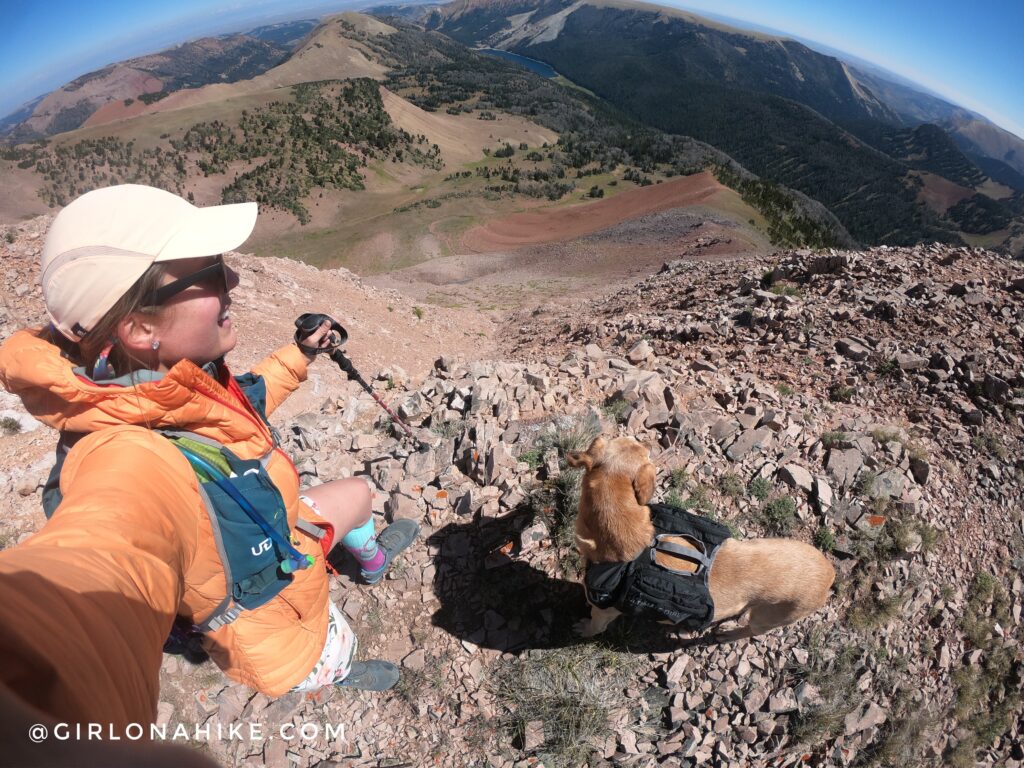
(345, 504)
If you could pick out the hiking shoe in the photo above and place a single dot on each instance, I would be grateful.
(372, 675)
(392, 540)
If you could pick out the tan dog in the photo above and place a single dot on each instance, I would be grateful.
(773, 581)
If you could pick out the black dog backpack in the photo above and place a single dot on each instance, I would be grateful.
(643, 587)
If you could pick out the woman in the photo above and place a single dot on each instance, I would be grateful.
(138, 296)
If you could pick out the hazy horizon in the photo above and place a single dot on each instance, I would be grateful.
(985, 67)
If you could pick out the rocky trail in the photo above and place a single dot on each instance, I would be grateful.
(869, 402)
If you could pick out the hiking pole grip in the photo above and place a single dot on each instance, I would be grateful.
(307, 324)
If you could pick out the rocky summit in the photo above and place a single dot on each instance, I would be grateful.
(871, 403)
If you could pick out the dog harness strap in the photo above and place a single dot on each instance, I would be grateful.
(695, 556)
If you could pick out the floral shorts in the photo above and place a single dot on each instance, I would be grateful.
(336, 659)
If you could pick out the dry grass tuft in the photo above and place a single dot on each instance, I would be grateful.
(573, 691)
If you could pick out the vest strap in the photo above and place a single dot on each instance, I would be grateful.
(221, 619)
(310, 529)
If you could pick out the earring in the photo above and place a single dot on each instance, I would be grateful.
(155, 345)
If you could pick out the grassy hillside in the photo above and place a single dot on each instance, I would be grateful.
(684, 45)
(436, 73)
(624, 58)
(791, 116)
(320, 135)
(149, 79)
(287, 147)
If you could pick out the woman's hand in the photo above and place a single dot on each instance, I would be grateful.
(321, 337)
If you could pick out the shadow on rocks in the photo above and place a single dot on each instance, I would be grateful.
(491, 597)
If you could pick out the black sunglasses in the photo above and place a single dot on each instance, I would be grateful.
(164, 292)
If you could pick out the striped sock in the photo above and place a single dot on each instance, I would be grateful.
(362, 543)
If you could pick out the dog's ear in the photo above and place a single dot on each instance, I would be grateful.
(592, 456)
(577, 459)
(643, 483)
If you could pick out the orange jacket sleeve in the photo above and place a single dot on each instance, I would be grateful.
(89, 600)
(283, 371)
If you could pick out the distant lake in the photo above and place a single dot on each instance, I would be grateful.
(539, 67)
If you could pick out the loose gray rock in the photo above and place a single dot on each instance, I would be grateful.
(796, 476)
(843, 465)
(868, 716)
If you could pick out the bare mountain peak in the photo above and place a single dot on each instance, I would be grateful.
(191, 64)
(534, 11)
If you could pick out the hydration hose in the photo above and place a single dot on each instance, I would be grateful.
(294, 560)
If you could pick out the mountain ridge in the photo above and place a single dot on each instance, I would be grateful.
(788, 113)
(149, 78)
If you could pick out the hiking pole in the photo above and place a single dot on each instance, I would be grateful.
(307, 324)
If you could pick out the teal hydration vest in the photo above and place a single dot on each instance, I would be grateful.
(246, 511)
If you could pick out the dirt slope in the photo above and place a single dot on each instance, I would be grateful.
(462, 138)
(570, 222)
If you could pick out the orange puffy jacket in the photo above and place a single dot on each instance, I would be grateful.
(89, 600)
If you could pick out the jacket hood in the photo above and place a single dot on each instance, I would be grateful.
(184, 398)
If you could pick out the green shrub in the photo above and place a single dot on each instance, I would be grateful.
(679, 478)
(534, 457)
(930, 536)
(987, 603)
(557, 501)
(760, 488)
(874, 612)
(901, 738)
(824, 539)
(883, 436)
(991, 443)
(10, 425)
(863, 484)
(889, 369)
(984, 702)
(731, 485)
(452, 428)
(839, 393)
(616, 409)
(831, 439)
(698, 501)
(570, 433)
(673, 499)
(916, 451)
(779, 515)
(832, 668)
(785, 289)
(572, 691)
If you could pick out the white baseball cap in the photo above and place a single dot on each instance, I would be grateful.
(105, 240)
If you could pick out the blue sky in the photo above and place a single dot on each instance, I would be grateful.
(973, 54)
